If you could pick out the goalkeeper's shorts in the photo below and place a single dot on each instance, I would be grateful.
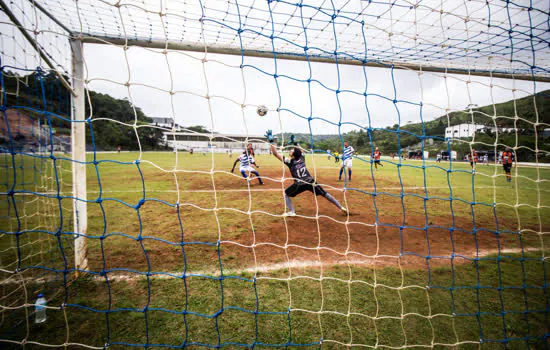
(297, 188)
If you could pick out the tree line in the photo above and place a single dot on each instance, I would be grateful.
(533, 117)
(41, 91)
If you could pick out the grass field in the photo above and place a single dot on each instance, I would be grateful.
(182, 252)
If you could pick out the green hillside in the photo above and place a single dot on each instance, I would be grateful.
(39, 91)
(395, 138)
(42, 92)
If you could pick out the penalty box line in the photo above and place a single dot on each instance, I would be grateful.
(378, 188)
(237, 190)
(377, 261)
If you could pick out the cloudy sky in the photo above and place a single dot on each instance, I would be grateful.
(235, 92)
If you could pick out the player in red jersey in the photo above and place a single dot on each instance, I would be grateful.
(376, 156)
(507, 161)
(472, 158)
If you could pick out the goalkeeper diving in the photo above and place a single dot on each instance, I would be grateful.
(303, 181)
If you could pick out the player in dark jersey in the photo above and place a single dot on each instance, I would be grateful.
(303, 181)
(507, 161)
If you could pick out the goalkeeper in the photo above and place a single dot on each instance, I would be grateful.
(303, 181)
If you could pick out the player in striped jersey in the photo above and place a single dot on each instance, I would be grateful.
(347, 159)
(247, 160)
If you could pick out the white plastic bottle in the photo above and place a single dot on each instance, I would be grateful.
(40, 308)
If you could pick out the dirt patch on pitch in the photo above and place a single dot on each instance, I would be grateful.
(305, 242)
(241, 228)
(382, 230)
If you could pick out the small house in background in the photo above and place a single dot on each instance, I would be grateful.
(415, 154)
(463, 130)
(167, 123)
(490, 155)
(446, 155)
(217, 143)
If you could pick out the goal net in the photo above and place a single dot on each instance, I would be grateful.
(140, 194)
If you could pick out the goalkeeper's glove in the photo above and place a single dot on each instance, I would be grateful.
(292, 141)
(269, 136)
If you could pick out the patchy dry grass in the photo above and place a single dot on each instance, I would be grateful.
(285, 281)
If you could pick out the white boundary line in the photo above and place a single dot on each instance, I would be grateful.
(367, 261)
(361, 157)
(238, 190)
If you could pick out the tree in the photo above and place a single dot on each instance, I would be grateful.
(199, 128)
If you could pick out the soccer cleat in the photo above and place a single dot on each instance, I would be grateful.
(290, 213)
(344, 210)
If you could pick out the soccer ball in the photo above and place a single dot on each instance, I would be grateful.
(262, 110)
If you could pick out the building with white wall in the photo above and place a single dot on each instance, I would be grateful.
(164, 123)
(463, 130)
(218, 143)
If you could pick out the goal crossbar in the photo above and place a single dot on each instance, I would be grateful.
(337, 59)
(179, 46)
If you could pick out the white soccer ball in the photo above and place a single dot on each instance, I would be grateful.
(262, 110)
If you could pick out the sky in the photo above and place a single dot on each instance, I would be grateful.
(236, 92)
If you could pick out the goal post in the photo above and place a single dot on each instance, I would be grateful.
(79, 162)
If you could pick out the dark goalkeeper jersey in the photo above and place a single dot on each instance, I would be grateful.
(298, 170)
